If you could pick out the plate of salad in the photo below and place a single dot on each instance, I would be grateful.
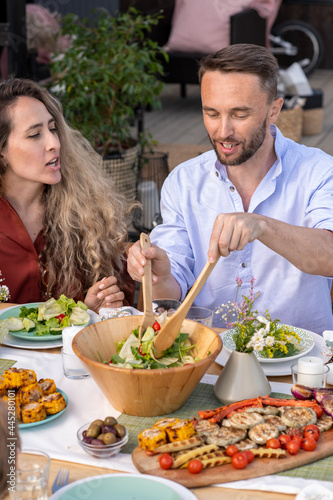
(44, 321)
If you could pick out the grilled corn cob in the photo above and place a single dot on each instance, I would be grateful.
(166, 422)
(33, 412)
(152, 438)
(53, 403)
(47, 385)
(3, 386)
(16, 377)
(29, 393)
(17, 405)
(183, 429)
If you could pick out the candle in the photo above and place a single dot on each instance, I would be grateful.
(310, 371)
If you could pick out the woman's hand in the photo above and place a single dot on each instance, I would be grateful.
(104, 293)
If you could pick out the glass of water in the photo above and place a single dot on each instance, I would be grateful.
(32, 469)
(201, 315)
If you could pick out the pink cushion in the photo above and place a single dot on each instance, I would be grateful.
(204, 26)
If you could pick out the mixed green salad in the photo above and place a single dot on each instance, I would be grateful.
(50, 317)
(132, 353)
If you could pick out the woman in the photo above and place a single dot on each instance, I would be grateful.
(62, 224)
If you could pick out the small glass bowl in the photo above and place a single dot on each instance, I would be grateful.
(103, 451)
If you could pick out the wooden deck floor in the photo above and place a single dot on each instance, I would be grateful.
(179, 121)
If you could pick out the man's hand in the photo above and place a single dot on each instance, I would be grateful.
(104, 293)
(164, 284)
(232, 232)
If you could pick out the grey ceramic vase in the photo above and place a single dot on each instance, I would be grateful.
(241, 378)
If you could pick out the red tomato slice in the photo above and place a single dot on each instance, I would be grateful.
(60, 317)
(156, 326)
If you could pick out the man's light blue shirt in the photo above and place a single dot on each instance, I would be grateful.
(298, 190)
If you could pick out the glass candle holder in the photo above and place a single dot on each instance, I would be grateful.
(309, 379)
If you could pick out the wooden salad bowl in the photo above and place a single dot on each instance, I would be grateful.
(143, 392)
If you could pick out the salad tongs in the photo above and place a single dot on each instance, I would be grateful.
(169, 331)
(148, 315)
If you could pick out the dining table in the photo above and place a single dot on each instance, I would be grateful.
(80, 471)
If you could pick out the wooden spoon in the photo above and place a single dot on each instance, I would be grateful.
(148, 315)
(169, 331)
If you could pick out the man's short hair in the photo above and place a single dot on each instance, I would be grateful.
(245, 58)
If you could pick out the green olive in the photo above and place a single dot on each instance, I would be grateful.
(110, 421)
(120, 429)
(109, 438)
(93, 430)
(100, 436)
(98, 422)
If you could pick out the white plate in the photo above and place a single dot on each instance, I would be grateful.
(124, 487)
(307, 344)
(284, 367)
(11, 341)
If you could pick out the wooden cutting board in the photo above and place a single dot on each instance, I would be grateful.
(227, 473)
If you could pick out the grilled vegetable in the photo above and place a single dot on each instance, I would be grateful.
(33, 412)
(327, 404)
(320, 394)
(165, 422)
(47, 385)
(183, 429)
(149, 439)
(3, 386)
(16, 377)
(302, 392)
(29, 393)
(53, 403)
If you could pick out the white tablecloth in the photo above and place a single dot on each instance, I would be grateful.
(86, 403)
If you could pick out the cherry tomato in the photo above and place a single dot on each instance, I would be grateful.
(231, 450)
(319, 411)
(60, 317)
(140, 350)
(284, 439)
(239, 460)
(309, 444)
(165, 461)
(156, 326)
(298, 439)
(194, 466)
(311, 433)
(311, 427)
(249, 455)
(273, 443)
(293, 447)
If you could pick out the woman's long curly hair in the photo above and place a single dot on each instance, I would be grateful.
(85, 218)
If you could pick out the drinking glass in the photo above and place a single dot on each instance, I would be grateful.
(32, 470)
(201, 315)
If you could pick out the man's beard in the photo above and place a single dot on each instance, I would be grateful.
(256, 142)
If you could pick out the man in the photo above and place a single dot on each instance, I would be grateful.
(261, 201)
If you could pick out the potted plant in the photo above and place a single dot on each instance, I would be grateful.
(110, 70)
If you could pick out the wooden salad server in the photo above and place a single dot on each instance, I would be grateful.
(148, 315)
(169, 331)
